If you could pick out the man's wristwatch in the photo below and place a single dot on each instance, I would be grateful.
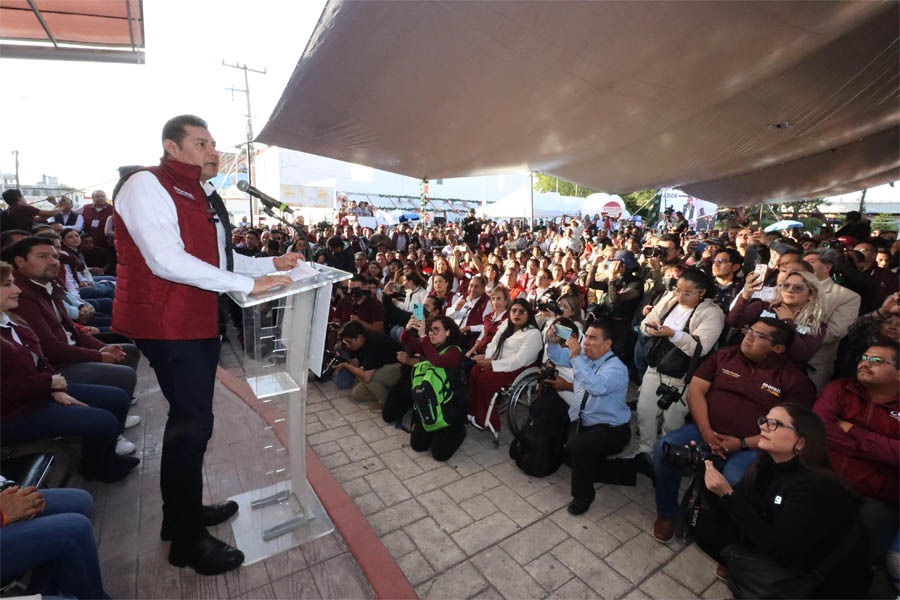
(744, 445)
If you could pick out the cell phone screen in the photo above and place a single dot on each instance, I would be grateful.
(760, 270)
(562, 331)
(418, 311)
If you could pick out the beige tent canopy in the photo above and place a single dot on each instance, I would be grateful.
(732, 101)
(84, 30)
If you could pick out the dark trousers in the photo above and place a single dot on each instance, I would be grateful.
(186, 371)
(588, 450)
(98, 424)
(442, 443)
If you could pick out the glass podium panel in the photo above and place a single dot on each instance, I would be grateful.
(283, 337)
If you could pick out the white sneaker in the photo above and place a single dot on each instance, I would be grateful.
(124, 447)
(131, 421)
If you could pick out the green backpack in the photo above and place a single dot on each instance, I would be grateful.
(432, 390)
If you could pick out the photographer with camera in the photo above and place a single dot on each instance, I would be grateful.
(372, 363)
(359, 305)
(727, 394)
(680, 329)
(601, 416)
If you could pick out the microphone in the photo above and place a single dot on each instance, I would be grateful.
(269, 201)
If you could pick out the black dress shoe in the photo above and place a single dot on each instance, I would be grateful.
(643, 464)
(209, 516)
(207, 556)
(579, 507)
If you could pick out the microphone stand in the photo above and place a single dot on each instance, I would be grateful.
(296, 228)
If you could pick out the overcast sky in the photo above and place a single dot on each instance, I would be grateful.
(80, 121)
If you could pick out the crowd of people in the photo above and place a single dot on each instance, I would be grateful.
(775, 355)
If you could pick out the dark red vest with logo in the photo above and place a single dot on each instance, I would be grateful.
(149, 307)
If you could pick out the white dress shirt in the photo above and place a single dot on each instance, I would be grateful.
(148, 212)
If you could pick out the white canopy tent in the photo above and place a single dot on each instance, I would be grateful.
(731, 101)
(517, 205)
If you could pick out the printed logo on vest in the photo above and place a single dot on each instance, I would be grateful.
(180, 191)
(731, 373)
(771, 389)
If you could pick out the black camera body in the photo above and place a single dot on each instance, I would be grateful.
(333, 360)
(687, 457)
(654, 252)
(550, 305)
(668, 395)
(358, 292)
(547, 372)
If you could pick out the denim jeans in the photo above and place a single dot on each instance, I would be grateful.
(58, 545)
(98, 424)
(668, 477)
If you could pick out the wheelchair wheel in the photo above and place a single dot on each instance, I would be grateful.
(520, 402)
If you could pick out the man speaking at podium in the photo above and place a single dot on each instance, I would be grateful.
(173, 241)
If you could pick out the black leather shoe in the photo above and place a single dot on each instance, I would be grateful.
(579, 507)
(209, 516)
(207, 556)
(643, 464)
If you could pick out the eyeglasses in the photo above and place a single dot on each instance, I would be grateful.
(687, 293)
(518, 311)
(773, 424)
(720, 261)
(874, 360)
(435, 330)
(755, 334)
(793, 287)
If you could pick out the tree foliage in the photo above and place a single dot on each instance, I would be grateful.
(548, 183)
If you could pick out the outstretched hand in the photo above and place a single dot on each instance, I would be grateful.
(267, 282)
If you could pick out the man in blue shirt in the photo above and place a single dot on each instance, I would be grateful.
(604, 417)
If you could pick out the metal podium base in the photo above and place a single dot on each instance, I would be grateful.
(273, 519)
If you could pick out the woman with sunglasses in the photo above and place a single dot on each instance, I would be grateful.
(796, 303)
(516, 346)
(788, 516)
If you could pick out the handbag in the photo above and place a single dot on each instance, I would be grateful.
(666, 357)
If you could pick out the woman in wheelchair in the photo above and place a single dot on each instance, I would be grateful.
(516, 346)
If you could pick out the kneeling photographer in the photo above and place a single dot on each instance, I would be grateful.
(726, 395)
(601, 415)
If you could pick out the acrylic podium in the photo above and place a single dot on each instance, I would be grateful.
(284, 337)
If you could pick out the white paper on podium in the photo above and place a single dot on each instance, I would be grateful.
(300, 272)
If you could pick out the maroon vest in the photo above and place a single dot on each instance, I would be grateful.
(149, 307)
(90, 214)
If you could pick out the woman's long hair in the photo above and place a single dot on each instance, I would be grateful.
(5, 276)
(510, 328)
(810, 316)
(813, 455)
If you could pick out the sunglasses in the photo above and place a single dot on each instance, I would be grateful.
(793, 287)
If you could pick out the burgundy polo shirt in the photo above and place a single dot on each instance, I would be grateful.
(742, 391)
(370, 310)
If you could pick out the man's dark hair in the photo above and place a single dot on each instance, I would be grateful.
(670, 237)
(604, 325)
(12, 195)
(783, 335)
(358, 278)
(351, 329)
(50, 235)
(734, 257)
(853, 216)
(22, 248)
(9, 234)
(175, 128)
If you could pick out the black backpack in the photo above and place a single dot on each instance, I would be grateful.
(540, 446)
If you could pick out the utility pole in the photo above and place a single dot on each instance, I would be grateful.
(246, 92)
(16, 154)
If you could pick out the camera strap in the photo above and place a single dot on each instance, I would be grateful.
(692, 366)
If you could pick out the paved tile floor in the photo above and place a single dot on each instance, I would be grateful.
(473, 527)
